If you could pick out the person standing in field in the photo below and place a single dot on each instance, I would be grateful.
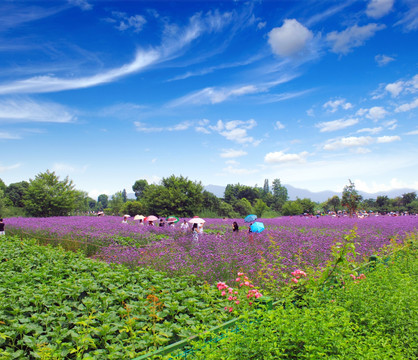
(195, 233)
(235, 227)
(184, 226)
(2, 232)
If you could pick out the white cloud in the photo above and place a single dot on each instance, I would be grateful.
(410, 18)
(395, 88)
(236, 130)
(10, 167)
(279, 125)
(7, 136)
(149, 129)
(231, 153)
(82, 4)
(67, 168)
(387, 139)
(125, 22)
(408, 106)
(373, 131)
(282, 157)
(376, 113)
(46, 83)
(351, 141)
(289, 39)
(375, 187)
(413, 132)
(336, 125)
(378, 8)
(333, 105)
(213, 95)
(355, 36)
(383, 60)
(20, 110)
(361, 150)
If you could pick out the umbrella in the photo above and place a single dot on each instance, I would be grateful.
(172, 218)
(151, 218)
(196, 220)
(250, 218)
(257, 227)
(126, 215)
(139, 217)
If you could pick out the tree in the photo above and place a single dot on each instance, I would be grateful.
(116, 203)
(124, 196)
(383, 203)
(15, 193)
(176, 195)
(47, 195)
(266, 187)
(133, 208)
(243, 207)
(226, 210)
(139, 188)
(350, 198)
(307, 205)
(408, 198)
(210, 201)
(334, 202)
(260, 207)
(292, 208)
(3, 186)
(280, 194)
(102, 201)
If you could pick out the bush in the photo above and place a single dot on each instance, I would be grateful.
(373, 316)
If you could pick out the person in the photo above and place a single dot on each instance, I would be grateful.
(141, 223)
(2, 232)
(161, 224)
(125, 220)
(195, 233)
(250, 233)
(200, 228)
(235, 227)
(184, 226)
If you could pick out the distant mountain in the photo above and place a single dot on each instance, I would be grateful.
(320, 196)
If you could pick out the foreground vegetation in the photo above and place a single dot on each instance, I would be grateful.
(158, 287)
(60, 305)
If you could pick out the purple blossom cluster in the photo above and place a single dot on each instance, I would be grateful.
(287, 243)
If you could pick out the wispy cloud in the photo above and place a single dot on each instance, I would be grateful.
(358, 142)
(282, 157)
(336, 124)
(10, 167)
(409, 19)
(343, 42)
(26, 110)
(139, 126)
(82, 4)
(408, 106)
(232, 153)
(124, 22)
(383, 60)
(45, 84)
(8, 136)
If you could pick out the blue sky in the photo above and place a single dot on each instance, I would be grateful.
(311, 92)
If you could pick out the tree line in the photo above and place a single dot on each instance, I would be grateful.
(48, 195)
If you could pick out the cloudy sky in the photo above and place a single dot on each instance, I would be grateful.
(311, 92)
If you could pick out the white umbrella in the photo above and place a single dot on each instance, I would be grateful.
(197, 221)
(126, 215)
(139, 217)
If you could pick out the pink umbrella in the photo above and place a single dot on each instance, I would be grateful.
(151, 218)
(196, 220)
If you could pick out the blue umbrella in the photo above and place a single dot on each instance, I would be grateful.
(257, 227)
(250, 218)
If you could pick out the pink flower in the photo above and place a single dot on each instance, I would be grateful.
(238, 279)
(230, 309)
(237, 302)
(223, 293)
(230, 290)
(230, 298)
(240, 274)
(226, 308)
(295, 280)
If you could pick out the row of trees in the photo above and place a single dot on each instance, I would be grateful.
(47, 195)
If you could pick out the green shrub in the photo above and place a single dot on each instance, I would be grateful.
(372, 316)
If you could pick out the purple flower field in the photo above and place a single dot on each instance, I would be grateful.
(287, 243)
